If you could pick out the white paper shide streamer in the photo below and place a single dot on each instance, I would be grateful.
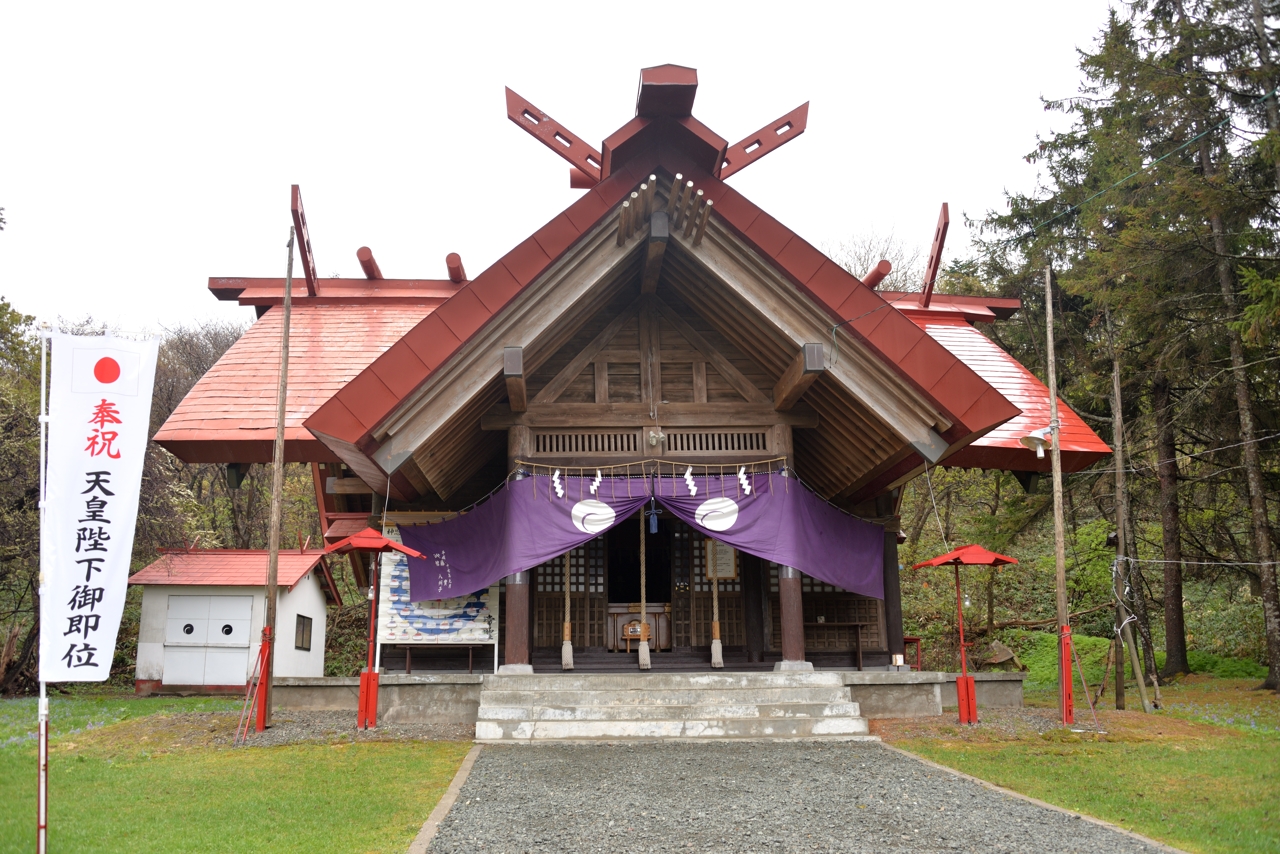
(99, 418)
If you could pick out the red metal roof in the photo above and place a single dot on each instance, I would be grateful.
(235, 568)
(230, 414)
(1001, 448)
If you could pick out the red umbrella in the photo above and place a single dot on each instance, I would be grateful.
(966, 556)
(369, 540)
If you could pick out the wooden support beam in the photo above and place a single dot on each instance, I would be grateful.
(346, 486)
(650, 352)
(578, 363)
(659, 232)
(722, 365)
(602, 381)
(700, 382)
(573, 415)
(513, 374)
(806, 367)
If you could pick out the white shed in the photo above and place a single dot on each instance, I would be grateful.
(202, 616)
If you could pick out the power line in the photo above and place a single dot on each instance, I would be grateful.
(1199, 562)
(1179, 458)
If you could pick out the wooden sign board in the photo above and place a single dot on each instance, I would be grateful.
(722, 561)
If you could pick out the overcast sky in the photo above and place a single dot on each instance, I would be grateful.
(146, 148)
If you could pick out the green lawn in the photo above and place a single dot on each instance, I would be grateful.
(1203, 774)
(1218, 796)
(108, 794)
(79, 713)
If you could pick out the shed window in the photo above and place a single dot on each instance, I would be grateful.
(302, 635)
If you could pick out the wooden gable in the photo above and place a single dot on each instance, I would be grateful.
(647, 378)
(693, 354)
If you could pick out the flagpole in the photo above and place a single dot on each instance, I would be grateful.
(42, 760)
(277, 500)
(1065, 701)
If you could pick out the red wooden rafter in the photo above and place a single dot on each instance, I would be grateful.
(304, 241)
(554, 135)
(769, 138)
(935, 255)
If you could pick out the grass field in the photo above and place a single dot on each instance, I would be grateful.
(148, 775)
(114, 786)
(1202, 775)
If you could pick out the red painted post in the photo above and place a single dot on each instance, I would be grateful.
(367, 684)
(1067, 683)
(264, 695)
(966, 693)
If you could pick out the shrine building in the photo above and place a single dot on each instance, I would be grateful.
(662, 328)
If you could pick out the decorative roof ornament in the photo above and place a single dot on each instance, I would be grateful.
(664, 105)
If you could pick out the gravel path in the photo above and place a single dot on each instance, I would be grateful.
(744, 797)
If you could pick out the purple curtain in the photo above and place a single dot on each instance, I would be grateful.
(523, 524)
(780, 520)
(531, 521)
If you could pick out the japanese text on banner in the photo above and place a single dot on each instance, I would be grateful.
(99, 417)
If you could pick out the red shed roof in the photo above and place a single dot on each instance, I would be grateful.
(235, 568)
(1001, 448)
(230, 414)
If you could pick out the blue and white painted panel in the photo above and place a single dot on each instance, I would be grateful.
(471, 619)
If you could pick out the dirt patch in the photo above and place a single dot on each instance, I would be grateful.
(157, 734)
(1043, 725)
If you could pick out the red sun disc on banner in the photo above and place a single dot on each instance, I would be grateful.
(106, 370)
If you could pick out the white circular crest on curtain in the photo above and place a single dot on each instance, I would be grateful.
(592, 516)
(717, 514)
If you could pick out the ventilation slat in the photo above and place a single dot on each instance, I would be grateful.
(717, 441)
(585, 442)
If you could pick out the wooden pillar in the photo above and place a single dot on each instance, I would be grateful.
(517, 629)
(892, 589)
(792, 618)
(753, 599)
(517, 637)
(782, 443)
(519, 444)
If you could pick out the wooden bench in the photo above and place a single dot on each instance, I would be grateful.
(857, 636)
(408, 653)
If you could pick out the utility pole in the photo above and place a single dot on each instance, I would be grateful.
(1122, 540)
(1065, 677)
(277, 501)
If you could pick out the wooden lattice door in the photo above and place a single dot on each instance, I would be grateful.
(692, 607)
(587, 597)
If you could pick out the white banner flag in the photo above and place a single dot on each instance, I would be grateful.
(99, 418)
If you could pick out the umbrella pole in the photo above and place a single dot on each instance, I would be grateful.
(965, 689)
(964, 669)
(369, 680)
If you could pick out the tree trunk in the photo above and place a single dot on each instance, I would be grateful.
(1268, 75)
(1175, 631)
(1252, 464)
(1125, 526)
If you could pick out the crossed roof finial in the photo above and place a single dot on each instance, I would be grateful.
(665, 100)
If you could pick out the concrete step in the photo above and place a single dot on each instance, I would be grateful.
(665, 696)
(698, 711)
(843, 728)
(661, 681)
(618, 706)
